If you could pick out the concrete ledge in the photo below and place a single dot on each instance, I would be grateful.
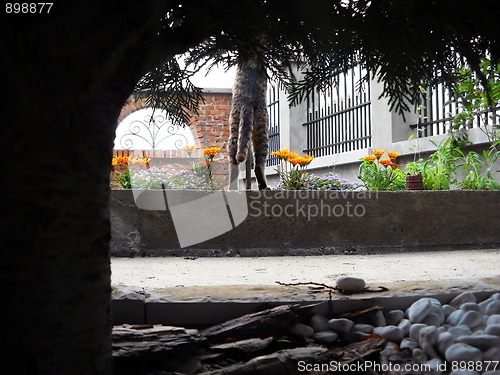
(203, 306)
(301, 222)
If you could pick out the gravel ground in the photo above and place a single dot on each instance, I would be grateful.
(154, 273)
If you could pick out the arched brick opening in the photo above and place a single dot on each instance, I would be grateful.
(210, 128)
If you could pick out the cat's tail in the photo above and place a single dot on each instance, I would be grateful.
(245, 132)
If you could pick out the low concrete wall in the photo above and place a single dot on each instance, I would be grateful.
(301, 223)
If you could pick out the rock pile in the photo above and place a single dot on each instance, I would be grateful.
(465, 333)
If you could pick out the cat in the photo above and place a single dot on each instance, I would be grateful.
(249, 120)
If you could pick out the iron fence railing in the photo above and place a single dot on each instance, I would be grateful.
(339, 119)
(273, 109)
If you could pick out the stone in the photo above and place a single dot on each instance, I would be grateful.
(463, 352)
(419, 310)
(471, 319)
(493, 308)
(302, 330)
(319, 323)
(447, 310)
(493, 329)
(462, 298)
(365, 328)
(325, 337)
(432, 319)
(460, 331)
(350, 284)
(464, 372)
(483, 305)
(408, 343)
(428, 335)
(493, 319)
(341, 325)
(429, 350)
(378, 319)
(492, 372)
(454, 318)
(394, 317)
(405, 326)
(391, 333)
(415, 330)
(492, 354)
(445, 340)
(482, 342)
(470, 306)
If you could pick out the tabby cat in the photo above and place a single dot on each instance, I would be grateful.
(249, 119)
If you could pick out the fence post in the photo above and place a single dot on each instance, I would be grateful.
(388, 127)
(296, 116)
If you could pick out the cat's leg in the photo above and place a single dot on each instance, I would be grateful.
(234, 123)
(260, 141)
(245, 131)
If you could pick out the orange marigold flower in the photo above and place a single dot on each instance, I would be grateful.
(119, 160)
(393, 155)
(281, 154)
(203, 163)
(378, 153)
(394, 165)
(385, 162)
(144, 160)
(370, 158)
(189, 148)
(211, 151)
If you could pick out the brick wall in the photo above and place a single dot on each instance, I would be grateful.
(210, 128)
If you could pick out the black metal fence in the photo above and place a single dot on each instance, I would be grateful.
(339, 119)
(273, 109)
(438, 111)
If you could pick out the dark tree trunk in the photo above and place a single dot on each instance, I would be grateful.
(66, 79)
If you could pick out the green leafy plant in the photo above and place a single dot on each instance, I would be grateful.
(478, 174)
(477, 95)
(439, 170)
(381, 174)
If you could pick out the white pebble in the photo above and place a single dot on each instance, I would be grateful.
(391, 333)
(460, 331)
(378, 319)
(341, 325)
(319, 323)
(493, 308)
(394, 317)
(470, 306)
(445, 340)
(432, 319)
(350, 284)
(405, 326)
(435, 365)
(428, 335)
(472, 319)
(415, 330)
(429, 350)
(494, 319)
(482, 342)
(463, 352)
(464, 372)
(325, 337)
(365, 328)
(493, 329)
(419, 310)
(455, 317)
(408, 343)
(447, 310)
(462, 298)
